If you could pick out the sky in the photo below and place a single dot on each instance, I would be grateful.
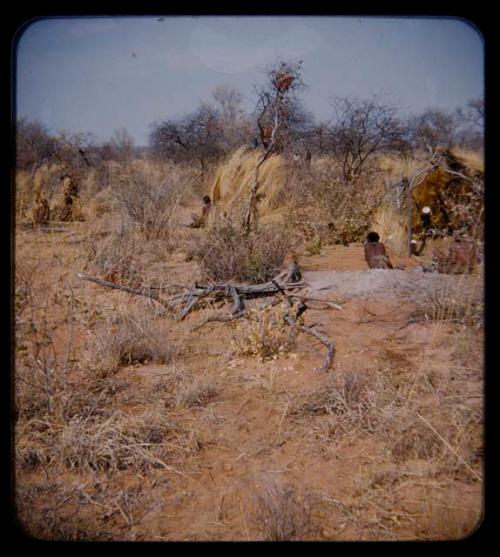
(100, 74)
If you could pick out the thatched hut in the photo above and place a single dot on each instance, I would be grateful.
(448, 196)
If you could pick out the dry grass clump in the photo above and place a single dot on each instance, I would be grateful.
(415, 440)
(119, 442)
(40, 367)
(149, 197)
(115, 255)
(460, 301)
(265, 334)
(367, 402)
(102, 203)
(42, 509)
(44, 181)
(188, 390)
(98, 443)
(41, 211)
(24, 194)
(126, 340)
(235, 176)
(349, 401)
(450, 440)
(198, 392)
(392, 226)
(228, 254)
(71, 422)
(281, 513)
(346, 209)
(23, 295)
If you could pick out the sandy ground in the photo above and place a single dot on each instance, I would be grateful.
(401, 461)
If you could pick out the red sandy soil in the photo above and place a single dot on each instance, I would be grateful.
(349, 476)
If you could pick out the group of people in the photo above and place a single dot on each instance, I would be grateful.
(459, 257)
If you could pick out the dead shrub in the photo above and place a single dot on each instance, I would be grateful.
(149, 197)
(228, 254)
(346, 396)
(41, 211)
(42, 514)
(460, 301)
(124, 341)
(265, 334)
(39, 376)
(23, 295)
(354, 401)
(198, 392)
(102, 203)
(281, 514)
(115, 255)
(116, 443)
(188, 391)
(347, 209)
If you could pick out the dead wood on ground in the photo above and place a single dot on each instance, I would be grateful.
(193, 297)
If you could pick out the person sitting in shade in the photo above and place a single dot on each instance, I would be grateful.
(201, 221)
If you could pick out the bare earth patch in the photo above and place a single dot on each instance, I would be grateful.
(186, 440)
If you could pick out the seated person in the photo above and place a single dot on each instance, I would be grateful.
(460, 257)
(201, 221)
(375, 254)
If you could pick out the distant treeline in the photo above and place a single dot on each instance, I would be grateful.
(355, 129)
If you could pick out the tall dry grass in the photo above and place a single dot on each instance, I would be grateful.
(234, 178)
(323, 206)
(66, 417)
(392, 226)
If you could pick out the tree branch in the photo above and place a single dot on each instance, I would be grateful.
(146, 292)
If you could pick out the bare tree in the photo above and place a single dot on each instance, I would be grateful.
(476, 112)
(236, 127)
(279, 110)
(432, 129)
(168, 140)
(105, 151)
(320, 138)
(470, 132)
(275, 99)
(73, 150)
(34, 144)
(229, 100)
(362, 128)
(122, 145)
(196, 136)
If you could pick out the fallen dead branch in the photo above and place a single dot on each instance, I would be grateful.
(328, 303)
(185, 302)
(324, 340)
(224, 318)
(192, 295)
(146, 292)
(293, 317)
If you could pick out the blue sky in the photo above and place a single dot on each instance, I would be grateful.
(99, 74)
